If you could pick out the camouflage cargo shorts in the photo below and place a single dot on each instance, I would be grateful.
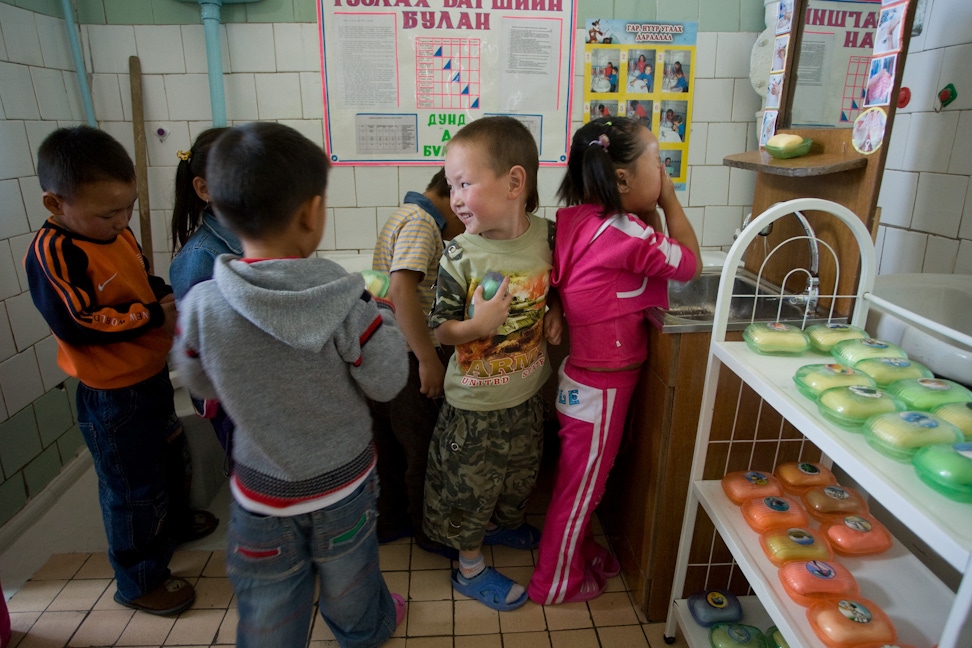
(482, 466)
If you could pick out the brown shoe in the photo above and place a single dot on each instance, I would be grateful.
(171, 597)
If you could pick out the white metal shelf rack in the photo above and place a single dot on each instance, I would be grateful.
(924, 610)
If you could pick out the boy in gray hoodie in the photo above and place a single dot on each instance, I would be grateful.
(292, 346)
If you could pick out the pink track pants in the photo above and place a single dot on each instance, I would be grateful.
(591, 407)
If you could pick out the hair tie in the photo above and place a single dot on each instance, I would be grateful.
(602, 140)
(184, 155)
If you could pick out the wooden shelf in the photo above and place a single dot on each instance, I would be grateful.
(811, 164)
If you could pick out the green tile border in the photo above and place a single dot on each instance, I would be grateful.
(39, 472)
(13, 497)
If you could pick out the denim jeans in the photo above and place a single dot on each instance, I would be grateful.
(274, 562)
(141, 458)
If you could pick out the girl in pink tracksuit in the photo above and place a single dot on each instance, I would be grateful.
(611, 262)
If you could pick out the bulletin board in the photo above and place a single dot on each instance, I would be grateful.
(401, 76)
(644, 70)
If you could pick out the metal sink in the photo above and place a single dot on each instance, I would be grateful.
(692, 304)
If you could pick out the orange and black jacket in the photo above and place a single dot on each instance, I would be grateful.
(101, 304)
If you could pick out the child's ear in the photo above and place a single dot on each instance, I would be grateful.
(622, 176)
(199, 184)
(53, 203)
(310, 212)
(517, 181)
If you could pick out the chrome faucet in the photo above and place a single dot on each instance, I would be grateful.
(812, 293)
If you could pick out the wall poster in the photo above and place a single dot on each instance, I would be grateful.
(644, 70)
(401, 76)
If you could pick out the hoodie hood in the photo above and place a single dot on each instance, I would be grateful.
(301, 302)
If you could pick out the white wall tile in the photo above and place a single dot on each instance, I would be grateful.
(278, 96)
(125, 90)
(251, 47)
(930, 138)
(164, 152)
(111, 46)
(36, 132)
(940, 255)
(956, 70)
(7, 346)
(897, 197)
(939, 203)
(31, 192)
(106, 97)
(355, 228)
(48, 86)
(14, 214)
(745, 102)
(696, 217)
(742, 186)
(161, 234)
(376, 186)
(947, 23)
(297, 47)
(720, 225)
(698, 139)
(26, 322)
(18, 248)
(965, 230)
(55, 46)
(899, 141)
(312, 129)
(327, 241)
(711, 100)
(73, 90)
(921, 73)
(733, 52)
(194, 49)
(548, 182)
(961, 160)
(160, 49)
(710, 186)
(15, 157)
(879, 245)
(161, 187)
(187, 96)
(9, 286)
(963, 263)
(416, 178)
(902, 251)
(17, 92)
(705, 55)
(3, 47)
(20, 381)
(724, 139)
(241, 100)
(340, 187)
(46, 352)
(161, 261)
(311, 95)
(155, 107)
(20, 35)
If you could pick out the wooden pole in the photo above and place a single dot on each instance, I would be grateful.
(141, 158)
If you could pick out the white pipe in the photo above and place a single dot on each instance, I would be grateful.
(72, 33)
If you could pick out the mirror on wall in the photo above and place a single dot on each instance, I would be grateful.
(845, 59)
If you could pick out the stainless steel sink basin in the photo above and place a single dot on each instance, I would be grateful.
(692, 304)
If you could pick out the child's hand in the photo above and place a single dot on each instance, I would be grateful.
(432, 377)
(667, 195)
(489, 315)
(553, 323)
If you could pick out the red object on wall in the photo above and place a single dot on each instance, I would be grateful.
(904, 97)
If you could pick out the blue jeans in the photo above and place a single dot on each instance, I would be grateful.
(141, 458)
(274, 562)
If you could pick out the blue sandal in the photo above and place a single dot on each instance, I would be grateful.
(525, 536)
(490, 588)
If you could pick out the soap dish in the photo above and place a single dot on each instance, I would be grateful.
(714, 606)
(849, 622)
(747, 484)
(797, 477)
(764, 513)
(826, 502)
(791, 151)
(736, 635)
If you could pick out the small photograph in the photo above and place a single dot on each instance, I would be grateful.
(868, 133)
(640, 109)
(641, 70)
(779, 53)
(671, 126)
(604, 70)
(890, 29)
(768, 129)
(599, 33)
(784, 20)
(672, 161)
(676, 71)
(774, 90)
(603, 109)
(880, 81)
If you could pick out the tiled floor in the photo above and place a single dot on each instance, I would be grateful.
(69, 602)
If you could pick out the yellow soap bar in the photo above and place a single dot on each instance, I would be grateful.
(784, 140)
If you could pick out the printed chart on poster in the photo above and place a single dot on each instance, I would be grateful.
(400, 78)
(644, 70)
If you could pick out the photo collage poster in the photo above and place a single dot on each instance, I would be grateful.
(644, 70)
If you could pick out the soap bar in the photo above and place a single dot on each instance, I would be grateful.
(807, 582)
(747, 484)
(736, 635)
(823, 337)
(899, 434)
(714, 606)
(846, 622)
(775, 338)
(886, 370)
(782, 545)
(812, 379)
(774, 638)
(947, 468)
(850, 352)
(958, 414)
(855, 535)
(928, 393)
(796, 477)
(784, 141)
(824, 502)
(764, 513)
(376, 282)
(849, 407)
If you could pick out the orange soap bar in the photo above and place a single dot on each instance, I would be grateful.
(856, 534)
(747, 484)
(784, 544)
(764, 513)
(798, 476)
(807, 582)
(823, 502)
(849, 622)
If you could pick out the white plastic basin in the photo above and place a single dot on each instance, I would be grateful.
(942, 298)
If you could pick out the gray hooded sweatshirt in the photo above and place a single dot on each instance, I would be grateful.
(291, 348)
